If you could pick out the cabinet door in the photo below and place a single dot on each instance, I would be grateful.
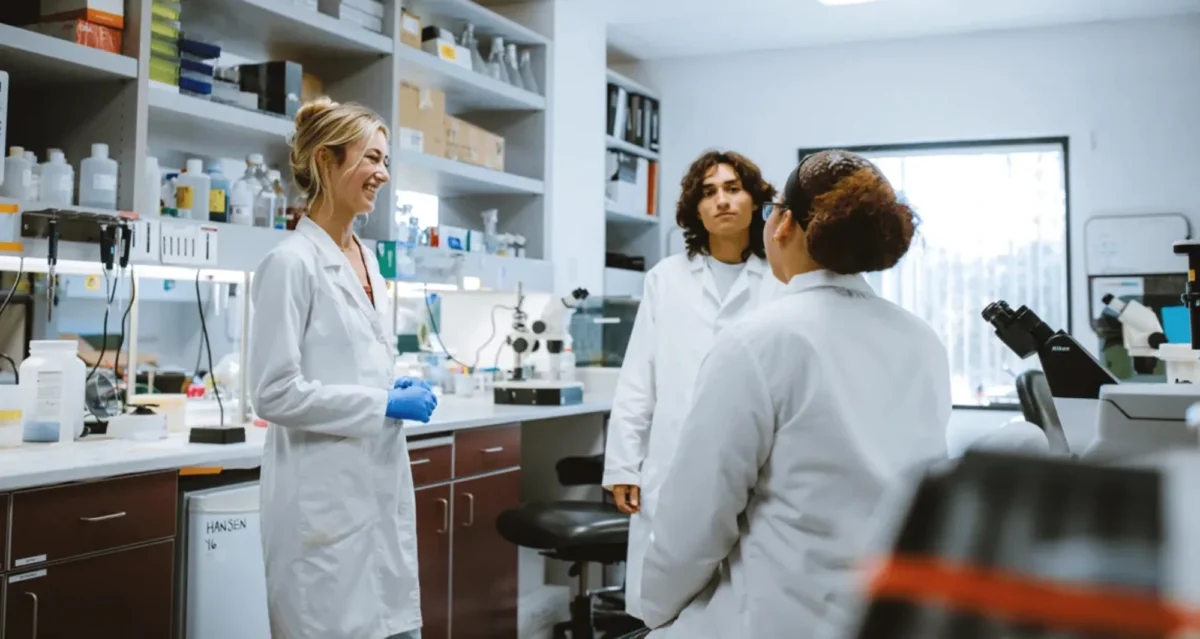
(433, 557)
(484, 601)
(121, 594)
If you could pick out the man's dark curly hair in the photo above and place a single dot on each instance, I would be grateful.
(687, 210)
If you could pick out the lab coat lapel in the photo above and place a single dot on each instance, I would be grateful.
(751, 274)
(699, 270)
(340, 270)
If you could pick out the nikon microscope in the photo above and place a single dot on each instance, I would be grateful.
(1130, 419)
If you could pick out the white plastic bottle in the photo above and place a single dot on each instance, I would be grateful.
(98, 180)
(150, 199)
(241, 200)
(192, 191)
(35, 176)
(18, 175)
(52, 377)
(264, 194)
(57, 180)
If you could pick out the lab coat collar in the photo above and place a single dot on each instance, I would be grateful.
(755, 266)
(828, 279)
(333, 259)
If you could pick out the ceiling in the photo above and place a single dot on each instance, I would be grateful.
(653, 29)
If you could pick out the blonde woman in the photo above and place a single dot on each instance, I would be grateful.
(338, 520)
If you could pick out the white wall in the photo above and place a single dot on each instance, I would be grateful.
(1127, 94)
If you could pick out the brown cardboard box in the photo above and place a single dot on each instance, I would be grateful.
(311, 88)
(422, 120)
(410, 29)
(96, 36)
(468, 143)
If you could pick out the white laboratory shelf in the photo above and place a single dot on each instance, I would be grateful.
(33, 206)
(282, 29)
(617, 216)
(465, 90)
(619, 282)
(449, 178)
(194, 122)
(455, 14)
(631, 148)
(630, 85)
(36, 57)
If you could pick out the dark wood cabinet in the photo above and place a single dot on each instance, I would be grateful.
(468, 572)
(484, 597)
(433, 557)
(118, 594)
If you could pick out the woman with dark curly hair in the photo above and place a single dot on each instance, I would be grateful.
(688, 299)
(805, 413)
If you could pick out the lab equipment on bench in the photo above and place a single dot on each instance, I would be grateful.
(53, 378)
(525, 339)
(1141, 331)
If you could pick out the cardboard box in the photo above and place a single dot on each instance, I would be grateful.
(108, 13)
(83, 32)
(422, 120)
(311, 88)
(468, 143)
(410, 29)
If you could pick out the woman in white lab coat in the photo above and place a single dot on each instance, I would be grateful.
(338, 516)
(804, 413)
(687, 299)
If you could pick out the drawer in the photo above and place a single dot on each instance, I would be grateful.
(49, 524)
(126, 594)
(483, 450)
(431, 465)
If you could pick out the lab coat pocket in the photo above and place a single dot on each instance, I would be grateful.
(337, 501)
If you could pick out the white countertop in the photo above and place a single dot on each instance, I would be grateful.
(34, 465)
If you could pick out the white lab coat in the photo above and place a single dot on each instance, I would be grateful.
(678, 319)
(338, 518)
(805, 413)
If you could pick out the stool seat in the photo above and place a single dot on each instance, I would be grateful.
(576, 528)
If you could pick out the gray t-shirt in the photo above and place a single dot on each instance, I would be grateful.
(724, 275)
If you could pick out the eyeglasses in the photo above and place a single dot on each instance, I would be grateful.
(771, 207)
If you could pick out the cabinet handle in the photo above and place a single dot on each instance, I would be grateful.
(493, 449)
(91, 520)
(470, 510)
(35, 613)
(445, 516)
(418, 462)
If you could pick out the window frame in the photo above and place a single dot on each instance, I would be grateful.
(1063, 142)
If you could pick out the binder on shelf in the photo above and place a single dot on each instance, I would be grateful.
(618, 111)
(637, 116)
(651, 124)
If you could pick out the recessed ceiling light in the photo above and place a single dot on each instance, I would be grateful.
(842, 3)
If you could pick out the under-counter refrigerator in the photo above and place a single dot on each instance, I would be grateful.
(222, 585)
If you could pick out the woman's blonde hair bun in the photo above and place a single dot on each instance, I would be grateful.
(325, 124)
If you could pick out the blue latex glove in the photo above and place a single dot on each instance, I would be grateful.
(405, 382)
(414, 403)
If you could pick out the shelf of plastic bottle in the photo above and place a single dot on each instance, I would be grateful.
(465, 89)
(197, 124)
(456, 14)
(39, 58)
(618, 144)
(281, 30)
(449, 178)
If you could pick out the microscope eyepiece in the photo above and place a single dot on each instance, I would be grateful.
(1021, 330)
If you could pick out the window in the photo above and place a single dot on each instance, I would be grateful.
(993, 227)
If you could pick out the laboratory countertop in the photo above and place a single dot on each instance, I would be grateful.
(35, 465)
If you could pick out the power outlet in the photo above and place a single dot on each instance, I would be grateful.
(143, 247)
(186, 244)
